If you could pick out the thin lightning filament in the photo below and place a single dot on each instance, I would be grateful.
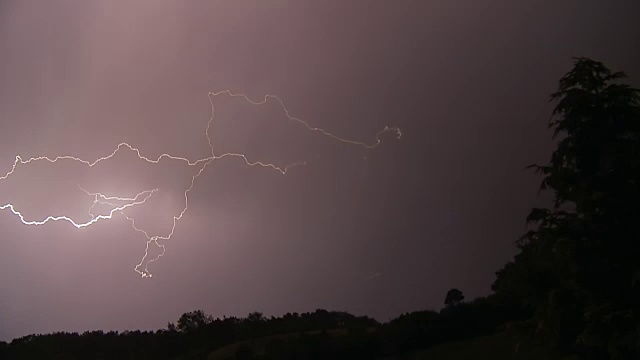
(120, 205)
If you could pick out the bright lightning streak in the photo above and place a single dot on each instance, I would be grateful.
(94, 219)
(200, 164)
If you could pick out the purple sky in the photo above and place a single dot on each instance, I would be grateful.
(376, 232)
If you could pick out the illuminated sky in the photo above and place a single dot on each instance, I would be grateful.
(371, 231)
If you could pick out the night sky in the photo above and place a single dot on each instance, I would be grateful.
(373, 232)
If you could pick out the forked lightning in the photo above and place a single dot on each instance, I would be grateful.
(121, 204)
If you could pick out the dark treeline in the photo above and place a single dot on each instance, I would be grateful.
(572, 291)
(318, 335)
(193, 336)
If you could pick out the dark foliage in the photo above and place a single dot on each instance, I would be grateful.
(454, 297)
(578, 267)
(196, 335)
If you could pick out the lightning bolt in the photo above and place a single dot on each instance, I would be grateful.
(119, 205)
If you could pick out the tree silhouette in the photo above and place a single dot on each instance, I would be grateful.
(256, 317)
(578, 264)
(193, 320)
(454, 297)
